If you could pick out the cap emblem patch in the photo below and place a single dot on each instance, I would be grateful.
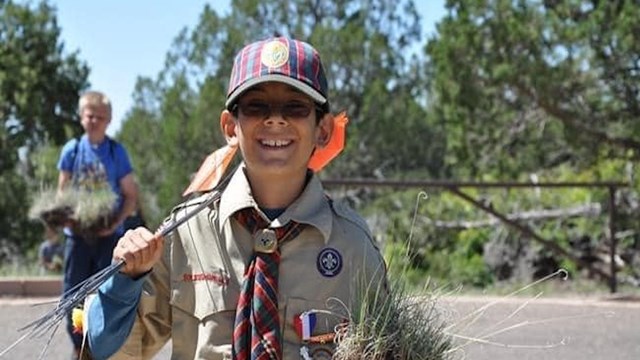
(274, 54)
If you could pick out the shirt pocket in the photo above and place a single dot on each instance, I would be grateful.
(202, 298)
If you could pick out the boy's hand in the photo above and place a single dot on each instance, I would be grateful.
(140, 250)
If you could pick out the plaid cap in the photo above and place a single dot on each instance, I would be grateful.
(284, 60)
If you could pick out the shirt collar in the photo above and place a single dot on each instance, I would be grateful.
(85, 139)
(311, 207)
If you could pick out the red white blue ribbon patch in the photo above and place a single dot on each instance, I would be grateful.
(304, 324)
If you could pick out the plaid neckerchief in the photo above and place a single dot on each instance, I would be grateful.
(256, 334)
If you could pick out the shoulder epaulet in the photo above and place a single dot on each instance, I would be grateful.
(197, 200)
(112, 147)
(76, 145)
(341, 209)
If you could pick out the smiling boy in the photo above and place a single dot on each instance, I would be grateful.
(266, 270)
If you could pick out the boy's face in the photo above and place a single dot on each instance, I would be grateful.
(276, 129)
(95, 119)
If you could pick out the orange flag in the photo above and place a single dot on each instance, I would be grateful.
(211, 170)
(323, 155)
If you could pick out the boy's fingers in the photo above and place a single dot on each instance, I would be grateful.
(139, 250)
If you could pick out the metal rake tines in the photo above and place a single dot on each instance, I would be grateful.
(76, 295)
(70, 300)
(46, 346)
(38, 329)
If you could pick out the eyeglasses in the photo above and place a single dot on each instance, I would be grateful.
(288, 110)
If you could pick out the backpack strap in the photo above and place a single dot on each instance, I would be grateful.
(112, 148)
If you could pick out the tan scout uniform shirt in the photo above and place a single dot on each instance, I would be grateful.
(191, 295)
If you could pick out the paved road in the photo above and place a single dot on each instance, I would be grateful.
(566, 329)
(542, 329)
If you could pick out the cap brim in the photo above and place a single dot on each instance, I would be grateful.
(306, 89)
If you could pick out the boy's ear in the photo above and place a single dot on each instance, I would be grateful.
(325, 129)
(228, 127)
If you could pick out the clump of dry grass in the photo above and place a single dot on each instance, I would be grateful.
(386, 322)
(390, 324)
(86, 211)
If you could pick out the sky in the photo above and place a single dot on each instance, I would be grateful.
(123, 39)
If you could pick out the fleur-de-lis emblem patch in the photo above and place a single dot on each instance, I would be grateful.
(274, 54)
(329, 262)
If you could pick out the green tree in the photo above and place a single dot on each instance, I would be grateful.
(524, 85)
(550, 87)
(364, 46)
(39, 87)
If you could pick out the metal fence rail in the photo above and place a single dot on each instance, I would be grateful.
(454, 188)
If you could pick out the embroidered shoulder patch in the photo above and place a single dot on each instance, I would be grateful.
(329, 262)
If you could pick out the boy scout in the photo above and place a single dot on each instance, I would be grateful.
(266, 271)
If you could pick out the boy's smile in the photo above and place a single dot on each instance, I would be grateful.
(275, 143)
(276, 129)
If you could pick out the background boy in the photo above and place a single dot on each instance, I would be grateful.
(92, 162)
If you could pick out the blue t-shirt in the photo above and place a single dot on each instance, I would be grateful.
(91, 166)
